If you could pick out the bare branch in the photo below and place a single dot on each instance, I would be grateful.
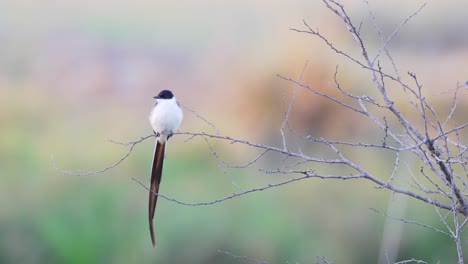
(417, 261)
(322, 94)
(235, 195)
(395, 31)
(412, 222)
(286, 116)
(248, 259)
(130, 144)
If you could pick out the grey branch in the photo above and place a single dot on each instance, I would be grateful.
(249, 259)
(235, 195)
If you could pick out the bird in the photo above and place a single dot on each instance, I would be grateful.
(165, 117)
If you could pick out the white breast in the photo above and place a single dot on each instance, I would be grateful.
(166, 117)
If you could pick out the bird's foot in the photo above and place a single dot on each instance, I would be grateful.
(170, 134)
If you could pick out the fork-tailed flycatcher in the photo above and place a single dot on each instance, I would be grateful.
(165, 118)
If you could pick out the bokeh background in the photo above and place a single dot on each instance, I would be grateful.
(75, 74)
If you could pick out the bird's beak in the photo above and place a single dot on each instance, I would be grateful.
(156, 97)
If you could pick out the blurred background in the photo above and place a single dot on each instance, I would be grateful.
(75, 74)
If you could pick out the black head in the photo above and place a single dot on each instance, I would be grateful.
(164, 94)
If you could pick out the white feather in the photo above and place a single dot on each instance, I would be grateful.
(165, 117)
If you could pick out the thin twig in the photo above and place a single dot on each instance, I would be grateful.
(234, 195)
(249, 259)
(412, 222)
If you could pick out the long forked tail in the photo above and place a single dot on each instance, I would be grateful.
(156, 173)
